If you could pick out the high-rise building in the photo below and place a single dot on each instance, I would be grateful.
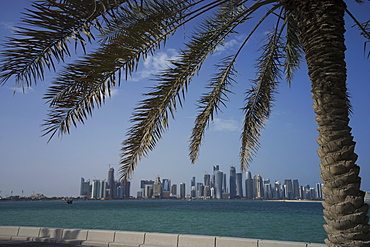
(192, 182)
(296, 194)
(224, 187)
(239, 185)
(166, 183)
(267, 189)
(157, 188)
(182, 191)
(126, 188)
(219, 175)
(232, 182)
(85, 188)
(277, 192)
(258, 187)
(111, 185)
(123, 190)
(319, 191)
(207, 192)
(173, 190)
(148, 191)
(249, 191)
(98, 189)
(146, 187)
(307, 192)
(199, 190)
(288, 189)
(207, 179)
(213, 181)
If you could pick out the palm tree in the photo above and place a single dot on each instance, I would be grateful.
(129, 30)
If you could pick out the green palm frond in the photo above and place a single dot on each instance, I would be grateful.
(85, 84)
(151, 116)
(259, 99)
(209, 103)
(293, 48)
(49, 27)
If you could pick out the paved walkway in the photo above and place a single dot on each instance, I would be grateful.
(9, 243)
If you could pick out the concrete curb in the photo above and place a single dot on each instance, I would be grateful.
(107, 238)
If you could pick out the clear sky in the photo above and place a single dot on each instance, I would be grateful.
(288, 146)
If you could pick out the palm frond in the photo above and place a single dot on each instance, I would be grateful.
(85, 84)
(259, 98)
(44, 38)
(151, 116)
(209, 103)
(293, 48)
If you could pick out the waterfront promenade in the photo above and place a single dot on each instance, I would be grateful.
(48, 237)
(10, 243)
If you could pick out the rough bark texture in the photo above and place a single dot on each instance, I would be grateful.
(321, 27)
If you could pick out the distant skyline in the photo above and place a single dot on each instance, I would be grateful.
(200, 179)
(288, 144)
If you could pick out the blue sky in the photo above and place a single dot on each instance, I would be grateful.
(288, 145)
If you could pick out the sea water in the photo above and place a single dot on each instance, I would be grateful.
(288, 221)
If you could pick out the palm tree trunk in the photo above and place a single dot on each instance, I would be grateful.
(321, 28)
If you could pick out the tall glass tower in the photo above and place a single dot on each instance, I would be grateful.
(182, 191)
(258, 192)
(296, 189)
(232, 181)
(249, 186)
(239, 185)
(166, 184)
(288, 189)
(219, 175)
(111, 184)
(207, 179)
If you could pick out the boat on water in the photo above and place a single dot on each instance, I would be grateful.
(69, 201)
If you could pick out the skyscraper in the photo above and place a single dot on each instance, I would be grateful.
(157, 188)
(277, 194)
(319, 191)
(111, 186)
(232, 181)
(219, 175)
(249, 191)
(288, 189)
(207, 179)
(239, 185)
(146, 188)
(126, 188)
(267, 190)
(213, 181)
(85, 188)
(98, 189)
(296, 189)
(173, 190)
(192, 182)
(166, 183)
(258, 187)
(182, 191)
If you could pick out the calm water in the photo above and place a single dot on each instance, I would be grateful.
(291, 221)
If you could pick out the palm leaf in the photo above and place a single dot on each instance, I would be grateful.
(151, 116)
(85, 84)
(293, 48)
(209, 103)
(49, 27)
(260, 97)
